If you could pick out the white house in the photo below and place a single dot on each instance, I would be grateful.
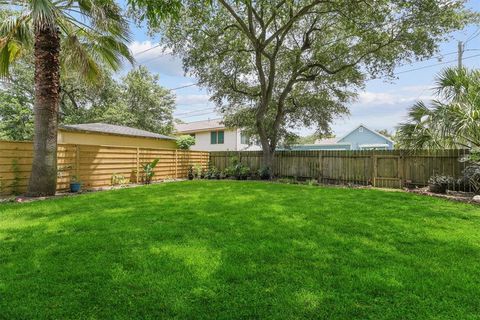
(212, 135)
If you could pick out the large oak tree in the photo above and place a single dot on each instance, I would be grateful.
(275, 65)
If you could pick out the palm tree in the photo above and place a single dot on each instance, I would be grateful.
(452, 120)
(65, 36)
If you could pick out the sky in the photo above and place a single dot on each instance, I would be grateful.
(381, 105)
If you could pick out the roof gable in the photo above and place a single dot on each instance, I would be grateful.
(203, 125)
(366, 128)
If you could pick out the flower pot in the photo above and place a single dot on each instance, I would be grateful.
(75, 186)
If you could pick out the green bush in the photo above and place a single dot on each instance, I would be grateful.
(237, 170)
(265, 173)
(185, 142)
(439, 183)
(212, 173)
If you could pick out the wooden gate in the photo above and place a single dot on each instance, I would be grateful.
(387, 171)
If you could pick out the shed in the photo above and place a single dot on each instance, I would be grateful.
(113, 135)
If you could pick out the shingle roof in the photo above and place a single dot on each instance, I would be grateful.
(114, 129)
(326, 141)
(203, 125)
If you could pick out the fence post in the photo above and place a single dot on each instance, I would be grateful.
(77, 161)
(138, 164)
(176, 164)
(374, 170)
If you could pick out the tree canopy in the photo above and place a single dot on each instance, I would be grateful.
(110, 101)
(272, 66)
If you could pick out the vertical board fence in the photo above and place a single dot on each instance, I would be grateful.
(95, 166)
(380, 168)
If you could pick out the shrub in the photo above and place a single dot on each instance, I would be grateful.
(237, 170)
(212, 173)
(471, 179)
(197, 171)
(439, 183)
(185, 142)
(265, 173)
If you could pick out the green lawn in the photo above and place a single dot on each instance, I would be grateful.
(240, 250)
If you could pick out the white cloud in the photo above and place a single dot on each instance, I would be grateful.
(186, 99)
(403, 95)
(156, 59)
(379, 110)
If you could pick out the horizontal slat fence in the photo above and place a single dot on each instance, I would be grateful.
(94, 165)
(380, 168)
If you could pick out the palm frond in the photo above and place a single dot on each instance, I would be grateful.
(15, 37)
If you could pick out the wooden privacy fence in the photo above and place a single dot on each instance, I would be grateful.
(388, 169)
(94, 165)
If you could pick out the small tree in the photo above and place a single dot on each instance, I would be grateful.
(148, 171)
(185, 142)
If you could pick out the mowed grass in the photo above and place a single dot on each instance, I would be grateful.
(240, 250)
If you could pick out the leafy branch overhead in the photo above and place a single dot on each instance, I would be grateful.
(275, 65)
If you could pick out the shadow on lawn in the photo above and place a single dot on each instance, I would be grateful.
(219, 250)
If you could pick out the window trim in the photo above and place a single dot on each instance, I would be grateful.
(214, 137)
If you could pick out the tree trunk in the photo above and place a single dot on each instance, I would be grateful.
(267, 160)
(43, 180)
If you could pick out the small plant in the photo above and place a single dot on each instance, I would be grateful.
(15, 186)
(148, 171)
(75, 184)
(197, 171)
(212, 173)
(265, 173)
(190, 173)
(118, 179)
(439, 183)
(286, 180)
(185, 142)
(312, 182)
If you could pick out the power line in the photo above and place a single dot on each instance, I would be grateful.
(193, 111)
(146, 50)
(434, 65)
(186, 86)
(473, 36)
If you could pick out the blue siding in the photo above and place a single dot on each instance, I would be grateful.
(299, 147)
(357, 138)
(352, 141)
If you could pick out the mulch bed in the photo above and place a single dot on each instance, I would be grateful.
(466, 197)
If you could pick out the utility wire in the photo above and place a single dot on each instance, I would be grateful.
(146, 50)
(434, 65)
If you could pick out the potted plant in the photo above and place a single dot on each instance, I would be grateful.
(190, 173)
(439, 183)
(75, 184)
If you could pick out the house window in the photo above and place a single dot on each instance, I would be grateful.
(360, 129)
(244, 138)
(216, 137)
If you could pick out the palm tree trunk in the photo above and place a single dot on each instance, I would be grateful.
(43, 180)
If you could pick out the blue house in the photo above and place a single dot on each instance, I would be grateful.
(360, 138)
